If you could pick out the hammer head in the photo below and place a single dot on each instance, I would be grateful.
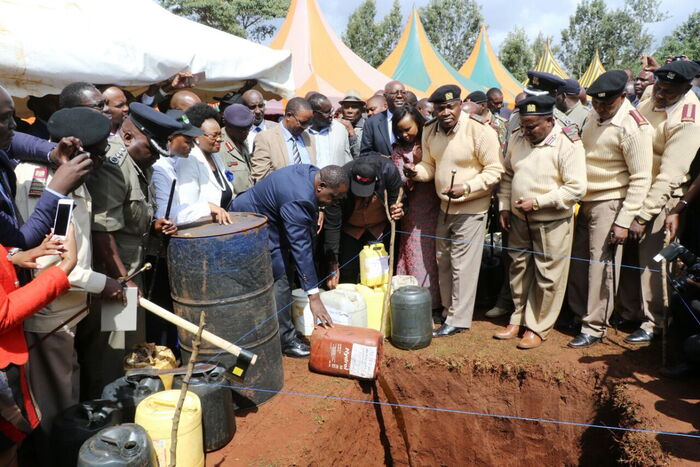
(236, 372)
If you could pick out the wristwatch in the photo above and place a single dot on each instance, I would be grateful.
(11, 252)
(640, 221)
(535, 205)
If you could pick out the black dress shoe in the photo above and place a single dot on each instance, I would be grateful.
(640, 336)
(296, 349)
(446, 330)
(583, 340)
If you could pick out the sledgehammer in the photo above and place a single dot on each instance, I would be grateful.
(245, 358)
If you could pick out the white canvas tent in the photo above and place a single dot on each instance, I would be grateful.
(46, 44)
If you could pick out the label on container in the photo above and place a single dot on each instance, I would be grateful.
(363, 360)
(376, 266)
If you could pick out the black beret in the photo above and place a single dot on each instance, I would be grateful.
(88, 126)
(537, 105)
(238, 115)
(445, 93)
(680, 71)
(155, 125)
(477, 97)
(544, 81)
(570, 87)
(610, 84)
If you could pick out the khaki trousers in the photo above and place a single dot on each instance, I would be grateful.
(459, 260)
(641, 289)
(590, 288)
(538, 272)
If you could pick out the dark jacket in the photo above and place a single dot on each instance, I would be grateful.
(388, 179)
(288, 198)
(375, 135)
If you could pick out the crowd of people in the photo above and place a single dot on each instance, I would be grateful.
(579, 181)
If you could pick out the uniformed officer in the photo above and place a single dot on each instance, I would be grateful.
(617, 139)
(494, 120)
(672, 112)
(234, 151)
(569, 102)
(455, 141)
(123, 206)
(544, 177)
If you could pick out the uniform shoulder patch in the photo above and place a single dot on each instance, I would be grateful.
(229, 146)
(638, 117)
(515, 130)
(39, 180)
(571, 133)
(478, 118)
(688, 113)
(119, 157)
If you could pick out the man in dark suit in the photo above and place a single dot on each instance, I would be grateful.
(290, 198)
(376, 134)
(68, 176)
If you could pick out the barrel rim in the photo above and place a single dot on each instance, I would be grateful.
(207, 220)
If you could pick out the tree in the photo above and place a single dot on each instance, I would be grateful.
(516, 53)
(684, 40)
(371, 40)
(249, 19)
(620, 35)
(539, 45)
(452, 27)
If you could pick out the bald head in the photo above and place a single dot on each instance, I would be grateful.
(255, 102)
(425, 107)
(118, 106)
(471, 108)
(375, 105)
(395, 94)
(183, 100)
(520, 97)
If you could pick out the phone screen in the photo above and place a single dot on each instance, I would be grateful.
(62, 218)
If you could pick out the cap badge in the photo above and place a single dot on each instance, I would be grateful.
(535, 80)
(449, 96)
(362, 179)
(601, 94)
(671, 75)
(531, 108)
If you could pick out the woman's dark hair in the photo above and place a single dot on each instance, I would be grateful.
(399, 115)
(200, 112)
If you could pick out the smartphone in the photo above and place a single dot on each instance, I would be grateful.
(197, 78)
(64, 214)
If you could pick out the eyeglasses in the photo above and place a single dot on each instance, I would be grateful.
(97, 106)
(214, 136)
(304, 124)
(259, 106)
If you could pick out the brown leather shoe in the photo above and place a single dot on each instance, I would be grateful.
(530, 341)
(508, 333)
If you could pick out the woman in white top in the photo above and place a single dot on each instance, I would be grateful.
(203, 184)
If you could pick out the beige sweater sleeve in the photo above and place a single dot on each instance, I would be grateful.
(638, 153)
(572, 169)
(505, 187)
(680, 150)
(488, 153)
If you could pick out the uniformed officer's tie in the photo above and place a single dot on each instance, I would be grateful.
(295, 152)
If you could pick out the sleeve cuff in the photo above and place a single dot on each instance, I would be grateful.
(503, 204)
(313, 291)
(624, 220)
(55, 193)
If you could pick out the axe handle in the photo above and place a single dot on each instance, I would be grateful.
(190, 327)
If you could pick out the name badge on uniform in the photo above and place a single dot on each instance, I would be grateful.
(39, 179)
(233, 164)
(229, 146)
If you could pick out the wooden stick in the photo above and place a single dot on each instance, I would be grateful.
(183, 390)
(664, 288)
(387, 294)
(207, 336)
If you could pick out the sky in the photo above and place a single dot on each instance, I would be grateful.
(530, 14)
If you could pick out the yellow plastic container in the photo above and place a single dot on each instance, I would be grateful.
(155, 414)
(374, 265)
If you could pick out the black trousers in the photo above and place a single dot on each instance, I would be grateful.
(350, 249)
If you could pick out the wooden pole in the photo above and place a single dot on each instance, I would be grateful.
(183, 390)
(664, 323)
(387, 294)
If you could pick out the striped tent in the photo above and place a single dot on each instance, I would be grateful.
(320, 60)
(594, 70)
(416, 63)
(484, 67)
(548, 64)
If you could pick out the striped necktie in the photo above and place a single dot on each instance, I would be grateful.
(295, 152)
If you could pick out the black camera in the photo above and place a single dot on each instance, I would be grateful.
(688, 258)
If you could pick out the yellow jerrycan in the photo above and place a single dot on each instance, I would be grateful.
(374, 265)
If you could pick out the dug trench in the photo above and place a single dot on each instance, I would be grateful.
(468, 402)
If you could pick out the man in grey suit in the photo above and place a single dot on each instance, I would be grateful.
(286, 144)
(376, 134)
(330, 137)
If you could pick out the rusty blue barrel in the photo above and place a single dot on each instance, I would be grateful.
(226, 271)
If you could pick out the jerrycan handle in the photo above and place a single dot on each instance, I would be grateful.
(93, 417)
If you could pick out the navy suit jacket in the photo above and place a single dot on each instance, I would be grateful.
(287, 198)
(28, 148)
(31, 233)
(375, 135)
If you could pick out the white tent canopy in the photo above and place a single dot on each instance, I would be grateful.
(46, 44)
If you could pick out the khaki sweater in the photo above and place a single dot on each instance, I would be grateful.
(552, 171)
(471, 148)
(675, 140)
(618, 160)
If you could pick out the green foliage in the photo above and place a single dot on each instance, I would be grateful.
(684, 40)
(539, 45)
(620, 35)
(452, 27)
(371, 40)
(245, 18)
(516, 53)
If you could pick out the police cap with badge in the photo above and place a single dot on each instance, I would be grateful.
(536, 105)
(571, 87)
(542, 81)
(477, 97)
(608, 85)
(680, 71)
(445, 93)
(156, 126)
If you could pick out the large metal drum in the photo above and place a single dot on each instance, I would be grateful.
(226, 271)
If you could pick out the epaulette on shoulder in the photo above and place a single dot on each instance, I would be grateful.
(228, 145)
(571, 133)
(638, 117)
(118, 158)
(478, 118)
(498, 117)
(688, 113)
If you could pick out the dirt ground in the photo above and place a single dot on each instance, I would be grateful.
(321, 420)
